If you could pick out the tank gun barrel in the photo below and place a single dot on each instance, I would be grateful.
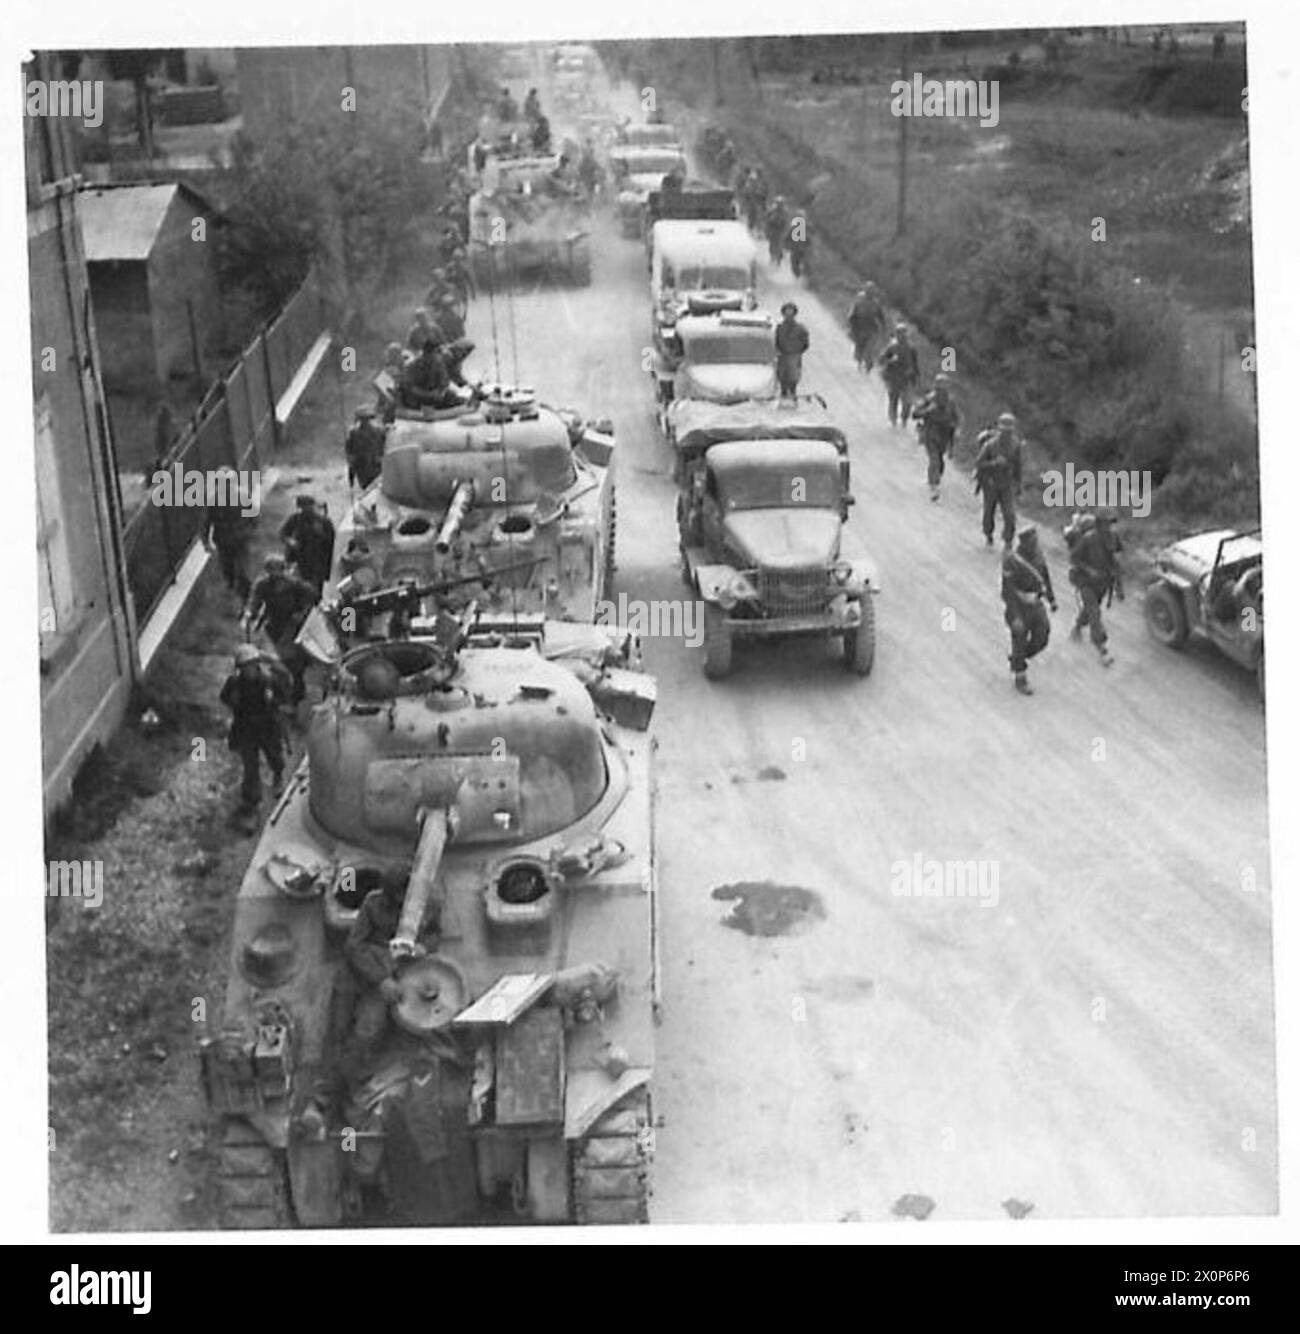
(435, 830)
(461, 499)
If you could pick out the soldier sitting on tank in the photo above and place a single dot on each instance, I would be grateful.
(373, 967)
(426, 381)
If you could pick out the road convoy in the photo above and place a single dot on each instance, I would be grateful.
(444, 972)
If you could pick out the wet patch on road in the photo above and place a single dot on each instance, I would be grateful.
(1016, 1208)
(762, 908)
(771, 773)
(919, 1207)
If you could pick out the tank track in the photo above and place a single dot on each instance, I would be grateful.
(610, 1168)
(252, 1191)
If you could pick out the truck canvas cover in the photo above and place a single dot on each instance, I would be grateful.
(698, 424)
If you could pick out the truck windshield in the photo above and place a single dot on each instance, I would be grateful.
(730, 347)
(764, 487)
(654, 164)
(704, 277)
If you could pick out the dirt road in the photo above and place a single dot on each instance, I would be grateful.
(1100, 1042)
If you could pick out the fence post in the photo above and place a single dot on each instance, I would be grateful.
(270, 389)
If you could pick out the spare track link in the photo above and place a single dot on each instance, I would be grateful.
(610, 1168)
(251, 1188)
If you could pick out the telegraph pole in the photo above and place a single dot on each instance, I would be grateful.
(905, 75)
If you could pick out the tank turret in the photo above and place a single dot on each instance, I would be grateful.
(510, 506)
(444, 966)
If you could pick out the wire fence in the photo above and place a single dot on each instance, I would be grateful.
(235, 426)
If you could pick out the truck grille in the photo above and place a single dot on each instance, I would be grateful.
(793, 592)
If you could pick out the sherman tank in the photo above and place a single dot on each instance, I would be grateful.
(530, 219)
(444, 975)
(503, 502)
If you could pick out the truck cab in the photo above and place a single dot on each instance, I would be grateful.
(727, 356)
(759, 526)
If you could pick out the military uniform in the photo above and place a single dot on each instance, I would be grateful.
(938, 419)
(308, 537)
(1026, 585)
(426, 381)
(254, 693)
(281, 602)
(372, 964)
(866, 323)
(775, 223)
(998, 465)
(364, 452)
(902, 372)
(791, 343)
(231, 532)
(1092, 572)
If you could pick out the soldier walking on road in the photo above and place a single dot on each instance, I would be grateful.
(279, 603)
(776, 223)
(901, 371)
(999, 463)
(364, 449)
(1026, 585)
(798, 244)
(254, 693)
(866, 324)
(937, 421)
(1093, 574)
(229, 531)
(791, 343)
(308, 538)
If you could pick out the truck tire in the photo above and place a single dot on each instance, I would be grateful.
(1166, 616)
(860, 642)
(717, 642)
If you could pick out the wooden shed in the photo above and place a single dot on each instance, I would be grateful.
(151, 256)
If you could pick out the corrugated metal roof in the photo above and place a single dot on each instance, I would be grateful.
(122, 222)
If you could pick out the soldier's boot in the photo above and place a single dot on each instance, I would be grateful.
(1106, 656)
(1076, 632)
(1022, 684)
(988, 539)
(934, 490)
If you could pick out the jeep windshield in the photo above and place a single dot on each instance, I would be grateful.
(729, 347)
(774, 486)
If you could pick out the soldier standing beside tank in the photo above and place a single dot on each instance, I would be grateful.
(866, 324)
(254, 693)
(999, 463)
(229, 531)
(279, 603)
(937, 421)
(1093, 574)
(791, 343)
(364, 449)
(308, 538)
(1026, 584)
(901, 371)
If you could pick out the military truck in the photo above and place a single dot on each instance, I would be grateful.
(1211, 586)
(507, 502)
(530, 219)
(637, 173)
(444, 966)
(728, 356)
(698, 266)
(762, 499)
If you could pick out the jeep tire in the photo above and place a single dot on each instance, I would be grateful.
(1166, 616)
